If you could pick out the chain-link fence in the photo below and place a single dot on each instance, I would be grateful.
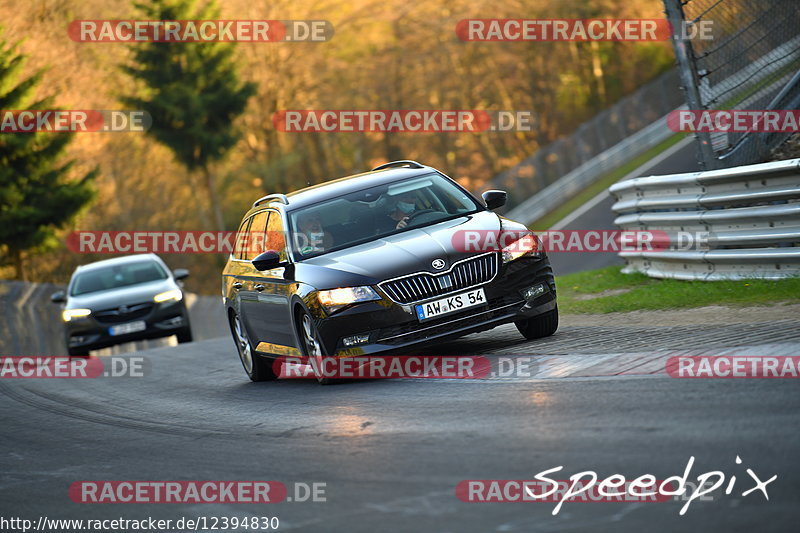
(630, 115)
(748, 59)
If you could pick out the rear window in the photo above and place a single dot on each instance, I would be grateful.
(115, 276)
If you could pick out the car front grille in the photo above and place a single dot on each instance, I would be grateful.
(463, 274)
(124, 313)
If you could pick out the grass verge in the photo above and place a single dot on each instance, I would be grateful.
(554, 216)
(607, 290)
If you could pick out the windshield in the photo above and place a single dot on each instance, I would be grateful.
(377, 212)
(114, 276)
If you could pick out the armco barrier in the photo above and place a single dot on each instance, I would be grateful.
(576, 178)
(30, 324)
(751, 215)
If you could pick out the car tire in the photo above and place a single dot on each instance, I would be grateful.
(257, 368)
(78, 352)
(311, 346)
(539, 326)
(184, 335)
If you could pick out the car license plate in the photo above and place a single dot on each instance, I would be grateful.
(451, 304)
(130, 327)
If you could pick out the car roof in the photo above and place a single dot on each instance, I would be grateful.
(126, 259)
(346, 185)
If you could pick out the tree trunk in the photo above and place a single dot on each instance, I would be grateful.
(213, 200)
(19, 271)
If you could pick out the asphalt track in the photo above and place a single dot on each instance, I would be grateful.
(391, 452)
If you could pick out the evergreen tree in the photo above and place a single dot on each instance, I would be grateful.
(193, 93)
(35, 197)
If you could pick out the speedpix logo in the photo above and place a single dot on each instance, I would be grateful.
(585, 486)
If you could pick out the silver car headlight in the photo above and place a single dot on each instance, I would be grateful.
(72, 314)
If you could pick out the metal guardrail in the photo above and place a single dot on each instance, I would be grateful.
(609, 135)
(563, 188)
(574, 182)
(749, 217)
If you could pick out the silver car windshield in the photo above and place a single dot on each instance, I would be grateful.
(115, 276)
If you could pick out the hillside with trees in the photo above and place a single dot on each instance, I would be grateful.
(386, 54)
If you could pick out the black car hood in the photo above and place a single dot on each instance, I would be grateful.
(396, 255)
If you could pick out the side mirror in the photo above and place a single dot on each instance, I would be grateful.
(58, 297)
(267, 260)
(180, 273)
(494, 198)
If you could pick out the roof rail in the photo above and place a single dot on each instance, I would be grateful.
(280, 197)
(402, 163)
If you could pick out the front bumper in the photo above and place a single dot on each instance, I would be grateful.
(165, 319)
(390, 326)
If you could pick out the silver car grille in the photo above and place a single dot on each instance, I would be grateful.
(462, 275)
(123, 313)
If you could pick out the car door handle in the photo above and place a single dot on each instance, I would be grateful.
(237, 285)
(259, 287)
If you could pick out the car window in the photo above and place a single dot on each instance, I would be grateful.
(377, 212)
(115, 276)
(242, 239)
(276, 236)
(256, 236)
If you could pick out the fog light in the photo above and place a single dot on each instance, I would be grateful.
(355, 340)
(76, 340)
(534, 292)
(172, 322)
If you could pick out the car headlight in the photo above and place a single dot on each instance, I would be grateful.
(174, 294)
(523, 246)
(336, 298)
(70, 314)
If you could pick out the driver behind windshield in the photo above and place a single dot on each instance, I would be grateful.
(404, 206)
(312, 237)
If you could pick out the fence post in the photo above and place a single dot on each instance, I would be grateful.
(687, 69)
